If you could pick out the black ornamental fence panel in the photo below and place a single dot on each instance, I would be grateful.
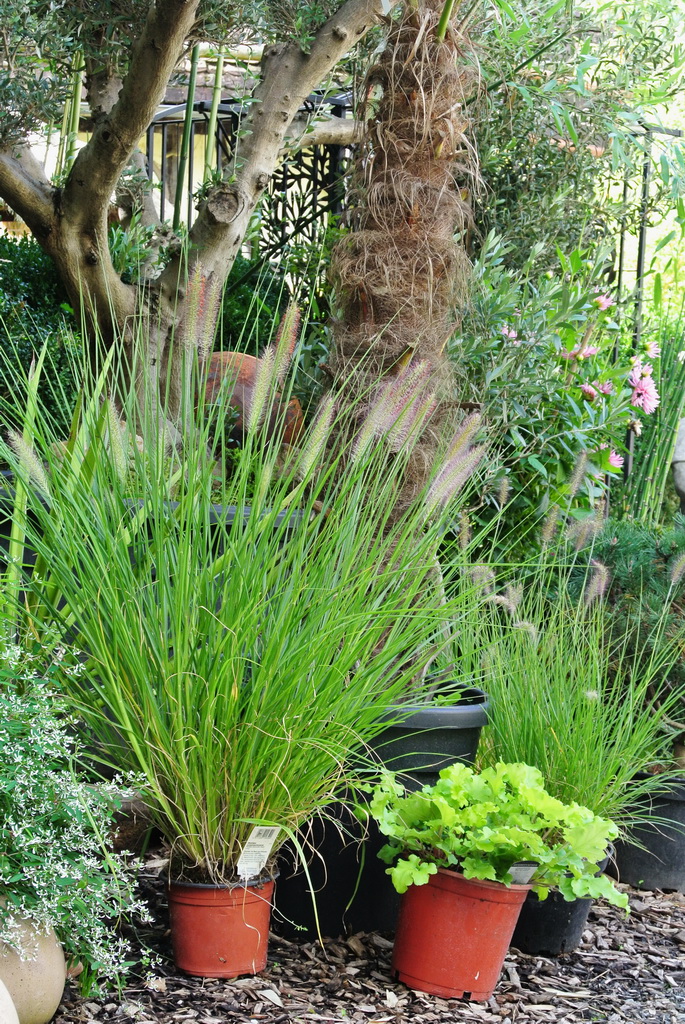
(306, 188)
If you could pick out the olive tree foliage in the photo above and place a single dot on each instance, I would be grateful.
(130, 49)
(577, 85)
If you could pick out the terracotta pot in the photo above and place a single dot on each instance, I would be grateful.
(220, 931)
(453, 934)
(241, 369)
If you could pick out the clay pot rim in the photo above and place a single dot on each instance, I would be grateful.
(486, 882)
(251, 883)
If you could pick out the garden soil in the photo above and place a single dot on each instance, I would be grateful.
(627, 970)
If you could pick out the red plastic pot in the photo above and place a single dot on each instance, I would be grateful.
(453, 934)
(220, 931)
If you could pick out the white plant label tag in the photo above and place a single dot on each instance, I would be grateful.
(256, 851)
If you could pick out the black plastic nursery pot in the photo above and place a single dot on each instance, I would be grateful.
(552, 926)
(220, 517)
(431, 738)
(353, 892)
(658, 862)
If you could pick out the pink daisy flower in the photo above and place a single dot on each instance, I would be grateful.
(615, 459)
(603, 301)
(581, 353)
(645, 395)
(605, 388)
(635, 374)
(652, 349)
(589, 392)
(511, 335)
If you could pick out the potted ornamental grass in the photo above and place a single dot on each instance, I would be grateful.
(455, 849)
(589, 710)
(246, 623)
(62, 887)
(439, 726)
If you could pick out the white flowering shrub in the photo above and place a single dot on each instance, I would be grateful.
(56, 864)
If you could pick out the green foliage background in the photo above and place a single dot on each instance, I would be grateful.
(34, 312)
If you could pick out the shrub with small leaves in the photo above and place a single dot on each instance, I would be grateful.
(34, 313)
(56, 865)
(646, 566)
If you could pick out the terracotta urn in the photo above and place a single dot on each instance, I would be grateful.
(240, 369)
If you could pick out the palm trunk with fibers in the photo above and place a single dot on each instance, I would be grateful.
(400, 275)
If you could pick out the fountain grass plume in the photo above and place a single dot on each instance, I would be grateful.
(678, 570)
(286, 340)
(578, 475)
(598, 583)
(263, 387)
(549, 526)
(398, 410)
(452, 477)
(30, 462)
(311, 452)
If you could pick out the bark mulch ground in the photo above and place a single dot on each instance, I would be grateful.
(626, 970)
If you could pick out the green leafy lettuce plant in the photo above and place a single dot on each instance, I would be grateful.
(482, 823)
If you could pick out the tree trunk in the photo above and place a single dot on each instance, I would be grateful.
(71, 222)
(401, 275)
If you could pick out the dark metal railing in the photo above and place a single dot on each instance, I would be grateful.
(303, 192)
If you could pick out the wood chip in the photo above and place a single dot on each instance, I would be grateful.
(627, 971)
(273, 997)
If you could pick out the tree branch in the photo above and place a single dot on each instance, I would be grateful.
(289, 75)
(336, 131)
(99, 164)
(103, 86)
(25, 188)
(135, 196)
